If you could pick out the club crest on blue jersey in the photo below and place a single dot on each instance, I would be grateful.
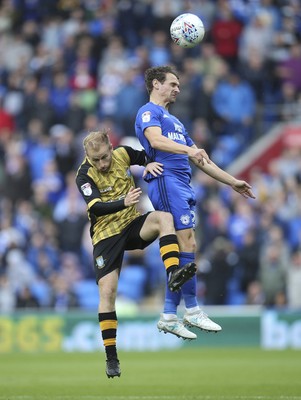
(146, 116)
(185, 219)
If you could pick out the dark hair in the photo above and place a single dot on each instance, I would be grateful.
(158, 73)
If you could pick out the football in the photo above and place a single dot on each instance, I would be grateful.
(187, 30)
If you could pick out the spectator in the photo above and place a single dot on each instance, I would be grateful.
(182, 107)
(17, 176)
(51, 181)
(109, 86)
(19, 271)
(202, 107)
(234, 102)
(215, 221)
(7, 124)
(226, 45)
(38, 107)
(64, 148)
(129, 98)
(15, 52)
(220, 269)
(288, 108)
(115, 56)
(39, 149)
(42, 255)
(29, 92)
(255, 295)
(70, 216)
(24, 219)
(10, 236)
(254, 70)
(248, 261)
(63, 297)
(285, 36)
(241, 221)
(26, 299)
(159, 52)
(7, 295)
(201, 134)
(272, 274)
(209, 62)
(294, 280)
(76, 113)
(288, 70)
(257, 34)
(60, 93)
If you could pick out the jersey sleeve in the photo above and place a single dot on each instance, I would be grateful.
(188, 139)
(90, 194)
(137, 157)
(87, 188)
(149, 117)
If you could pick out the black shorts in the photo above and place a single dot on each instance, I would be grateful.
(108, 253)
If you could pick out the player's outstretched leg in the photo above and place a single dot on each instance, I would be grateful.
(181, 275)
(108, 325)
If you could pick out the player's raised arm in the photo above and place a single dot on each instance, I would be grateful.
(222, 176)
(160, 142)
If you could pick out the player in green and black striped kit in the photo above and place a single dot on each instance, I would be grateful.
(105, 181)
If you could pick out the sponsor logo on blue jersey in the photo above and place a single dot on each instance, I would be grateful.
(176, 136)
(178, 128)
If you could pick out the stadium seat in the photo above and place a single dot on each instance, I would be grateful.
(132, 282)
(87, 294)
(41, 290)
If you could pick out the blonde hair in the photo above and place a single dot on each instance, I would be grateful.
(95, 140)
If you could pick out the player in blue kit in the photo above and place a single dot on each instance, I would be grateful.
(166, 141)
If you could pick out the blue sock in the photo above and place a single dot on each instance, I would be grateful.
(172, 300)
(189, 288)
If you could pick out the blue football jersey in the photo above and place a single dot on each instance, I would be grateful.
(174, 164)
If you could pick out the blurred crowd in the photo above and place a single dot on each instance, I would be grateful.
(69, 66)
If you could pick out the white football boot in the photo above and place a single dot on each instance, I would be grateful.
(175, 327)
(200, 320)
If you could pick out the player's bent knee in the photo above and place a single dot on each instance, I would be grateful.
(166, 223)
(162, 222)
(165, 217)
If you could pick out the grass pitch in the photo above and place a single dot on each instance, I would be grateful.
(186, 374)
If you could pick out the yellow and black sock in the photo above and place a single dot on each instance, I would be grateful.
(169, 250)
(108, 326)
